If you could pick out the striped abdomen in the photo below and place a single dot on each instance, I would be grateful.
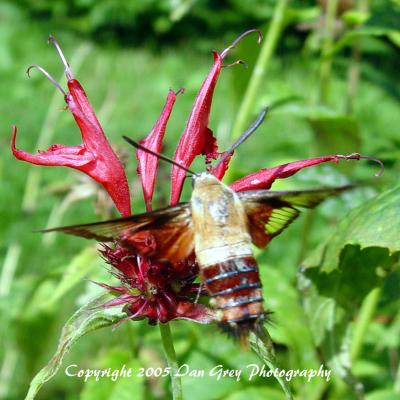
(235, 288)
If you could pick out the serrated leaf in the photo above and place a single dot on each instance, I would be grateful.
(87, 319)
(374, 224)
(335, 280)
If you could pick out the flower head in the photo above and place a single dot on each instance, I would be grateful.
(158, 291)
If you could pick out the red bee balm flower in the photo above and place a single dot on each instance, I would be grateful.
(159, 291)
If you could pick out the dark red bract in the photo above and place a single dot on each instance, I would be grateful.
(155, 290)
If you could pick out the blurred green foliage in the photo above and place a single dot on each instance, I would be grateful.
(127, 55)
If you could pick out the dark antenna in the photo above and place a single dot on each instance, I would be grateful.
(160, 156)
(244, 136)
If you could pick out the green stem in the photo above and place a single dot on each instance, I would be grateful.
(246, 109)
(353, 73)
(396, 386)
(366, 313)
(8, 368)
(9, 268)
(170, 354)
(326, 51)
(271, 39)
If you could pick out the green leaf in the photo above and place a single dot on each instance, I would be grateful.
(260, 393)
(261, 344)
(375, 224)
(87, 319)
(335, 132)
(49, 294)
(337, 277)
(120, 387)
(383, 394)
(354, 17)
(195, 388)
(349, 37)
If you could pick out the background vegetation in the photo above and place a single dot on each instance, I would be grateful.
(332, 84)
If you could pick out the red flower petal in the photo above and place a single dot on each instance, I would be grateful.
(147, 168)
(108, 170)
(264, 178)
(94, 157)
(197, 138)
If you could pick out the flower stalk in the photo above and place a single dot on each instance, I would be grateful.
(271, 40)
(170, 354)
(326, 51)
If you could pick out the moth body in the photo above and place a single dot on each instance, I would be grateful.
(223, 250)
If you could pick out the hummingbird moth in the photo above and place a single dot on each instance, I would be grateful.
(220, 226)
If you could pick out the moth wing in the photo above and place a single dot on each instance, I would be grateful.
(270, 212)
(165, 234)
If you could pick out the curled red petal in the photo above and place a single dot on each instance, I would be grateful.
(196, 138)
(264, 178)
(70, 156)
(107, 168)
(148, 163)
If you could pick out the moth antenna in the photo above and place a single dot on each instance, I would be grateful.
(47, 75)
(160, 156)
(239, 38)
(67, 69)
(357, 156)
(251, 129)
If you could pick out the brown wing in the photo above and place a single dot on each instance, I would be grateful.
(163, 234)
(269, 212)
